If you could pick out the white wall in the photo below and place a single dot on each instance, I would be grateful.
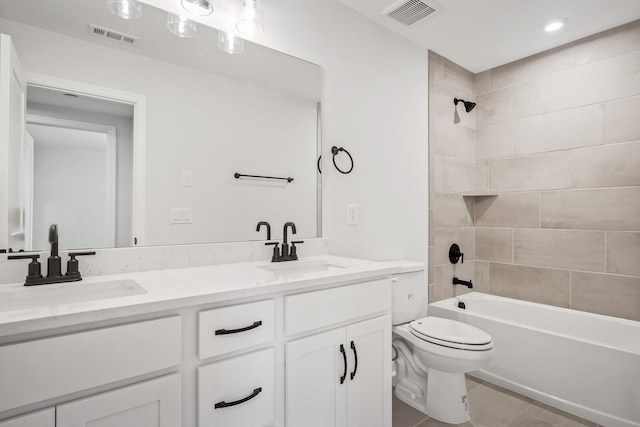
(210, 126)
(374, 105)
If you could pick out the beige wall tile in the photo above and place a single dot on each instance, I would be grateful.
(578, 127)
(601, 81)
(532, 67)
(436, 67)
(431, 265)
(494, 142)
(482, 175)
(435, 288)
(622, 120)
(459, 78)
(542, 285)
(466, 241)
(451, 210)
(613, 165)
(481, 276)
(483, 82)
(463, 271)
(431, 228)
(442, 139)
(517, 210)
(437, 171)
(617, 41)
(511, 103)
(494, 244)
(532, 173)
(459, 174)
(606, 294)
(444, 238)
(623, 253)
(615, 209)
(574, 250)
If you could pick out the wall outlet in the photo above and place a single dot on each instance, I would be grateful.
(180, 216)
(187, 179)
(352, 214)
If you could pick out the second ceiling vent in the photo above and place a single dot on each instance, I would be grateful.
(408, 12)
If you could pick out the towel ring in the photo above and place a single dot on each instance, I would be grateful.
(335, 150)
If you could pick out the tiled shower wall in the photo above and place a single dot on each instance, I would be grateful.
(558, 135)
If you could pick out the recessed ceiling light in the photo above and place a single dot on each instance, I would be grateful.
(555, 24)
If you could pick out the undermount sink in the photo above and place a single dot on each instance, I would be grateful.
(66, 293)
(291, 268)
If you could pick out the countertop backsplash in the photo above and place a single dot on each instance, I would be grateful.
(136, 259)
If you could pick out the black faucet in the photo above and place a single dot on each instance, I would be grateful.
(260, 224)
(54, 269)
(286, 254)
(457, 281)
(54, 263)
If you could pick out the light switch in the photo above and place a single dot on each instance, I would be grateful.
(180, 216)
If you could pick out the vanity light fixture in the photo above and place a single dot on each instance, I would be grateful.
(126, 9)
(181, 26)
(250, 18)
(555, 25)
(198, 7)
(230, 43)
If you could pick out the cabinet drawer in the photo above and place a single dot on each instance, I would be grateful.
(227, 329)
(304, 312)
(238, 392)
(37, 370)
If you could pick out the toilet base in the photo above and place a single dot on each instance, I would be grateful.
(447, 397)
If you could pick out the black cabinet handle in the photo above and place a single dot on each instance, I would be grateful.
(224, 404)
(355, 355)
(344, 358)
(235, 331)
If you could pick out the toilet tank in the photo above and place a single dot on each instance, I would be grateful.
(409, 290)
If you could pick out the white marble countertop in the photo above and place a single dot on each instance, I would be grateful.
(27, 309)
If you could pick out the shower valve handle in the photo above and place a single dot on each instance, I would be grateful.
(455, 254)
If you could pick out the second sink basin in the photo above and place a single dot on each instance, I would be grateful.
(293, 268)
(66, 293)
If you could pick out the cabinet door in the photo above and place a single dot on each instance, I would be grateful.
(315, 395)
(154, 403)
(46, 418)
(369, 380)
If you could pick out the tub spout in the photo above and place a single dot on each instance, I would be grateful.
(466, 283)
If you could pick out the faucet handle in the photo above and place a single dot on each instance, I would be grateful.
(294, 251)
(34, 266)
(276, 253)
(72, 264)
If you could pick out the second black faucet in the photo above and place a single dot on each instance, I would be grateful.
(287, 253)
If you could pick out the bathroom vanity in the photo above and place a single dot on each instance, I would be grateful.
(305, 343)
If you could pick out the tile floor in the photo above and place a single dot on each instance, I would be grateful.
(493, 406)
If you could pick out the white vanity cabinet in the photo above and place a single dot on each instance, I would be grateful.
(238, 390)
(50, 368)
(154, 403)
(341, 377)
(45, 418)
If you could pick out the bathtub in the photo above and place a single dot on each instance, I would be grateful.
(586, 364)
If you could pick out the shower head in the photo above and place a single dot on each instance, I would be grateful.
(468, 105)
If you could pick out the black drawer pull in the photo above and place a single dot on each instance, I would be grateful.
(224, 404)
(344, 358)
(355, 356)
(235, 331)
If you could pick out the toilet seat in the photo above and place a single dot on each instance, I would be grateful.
(450, 333)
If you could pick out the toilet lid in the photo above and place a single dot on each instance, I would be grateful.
(448, 331)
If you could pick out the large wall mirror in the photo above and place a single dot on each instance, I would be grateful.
(137, 144)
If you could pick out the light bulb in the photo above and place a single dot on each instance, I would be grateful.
(181, 26)
(250, 17)
(126, 9)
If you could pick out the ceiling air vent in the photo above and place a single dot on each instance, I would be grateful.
(112, 35)
(408, 12)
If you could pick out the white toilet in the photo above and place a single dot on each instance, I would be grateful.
(432, 354)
